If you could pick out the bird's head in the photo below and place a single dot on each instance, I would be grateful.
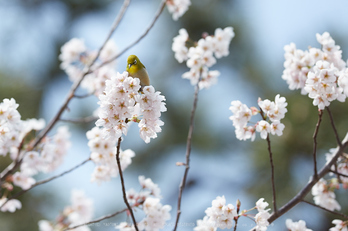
(132, 60)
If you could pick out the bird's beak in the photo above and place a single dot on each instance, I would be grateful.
(129, 65)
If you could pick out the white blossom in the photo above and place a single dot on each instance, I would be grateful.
(202, 55)
(10, 205)
(324, 197)
(122, 105)
(178, 7)
(339, 225)
(296, 226)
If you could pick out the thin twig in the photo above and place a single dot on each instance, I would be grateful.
(158, 13)
(98, 220)
(188, 152)
(83, 96)
(327, 210)
(320, 115)
(308, 187)
(272, 171)
(337, 173)
(69, 96)
(20, 193)
(81, 120)
(334, 127)
(122, 183)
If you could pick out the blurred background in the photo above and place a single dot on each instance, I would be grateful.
(32, 32)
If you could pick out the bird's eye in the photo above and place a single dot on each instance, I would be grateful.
(135, 62)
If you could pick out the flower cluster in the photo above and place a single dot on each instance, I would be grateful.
(202, 55)
(339, 225)
(148, 199)
(76, 57)
(122, 104)
(219, 215)
(12, 129)
(261, 218)
(46, 157)
(80, 211)
(272, 111)
(53, 150)
(103, 154)
(341, 167)
(324, 195)
(320, 73)
(296, 226)
(178, 7)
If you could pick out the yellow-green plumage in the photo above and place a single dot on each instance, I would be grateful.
(137, 70)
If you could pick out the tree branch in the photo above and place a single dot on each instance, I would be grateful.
(159, 11)
(188, 152)
(272, 172)
(327, 210)
(87, 119)
(122, 183)
(70, 94)
(307, 188)
(334, 127)
(320, 115)
(98, 220)
(339, 174)
(20, 193)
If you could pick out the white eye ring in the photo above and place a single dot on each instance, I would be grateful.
(135, 62)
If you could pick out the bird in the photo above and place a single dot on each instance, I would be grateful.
(137, 70)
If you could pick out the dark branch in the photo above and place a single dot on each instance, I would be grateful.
(307, 188)
(188, 152)
(20, 193)
(334, 127)
(272, 172)
(98, 220)
(161, 7)
(320, 115)
(80, 120)
(122, 183)
(327, 210)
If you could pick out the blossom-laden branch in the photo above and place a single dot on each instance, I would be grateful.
(77, 83)
(327, 210)
(272, 174)
(334, 127)
(188, 152)
(320, 115)
(68, 98)
(20, 193)
(122, 183)
(98, 220)
(307, 188)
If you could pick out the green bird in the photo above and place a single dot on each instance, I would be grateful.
(137, 70)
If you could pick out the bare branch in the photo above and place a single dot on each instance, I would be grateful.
(334, 127)
(272, 174)
(20, 193)
(122, 183)
(327, 210)
(188, 152)
(81, 120)
(320, 115)
(83, 96)
(98, 220)
(159, 11)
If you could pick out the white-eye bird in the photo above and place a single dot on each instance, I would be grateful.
(137, 70)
